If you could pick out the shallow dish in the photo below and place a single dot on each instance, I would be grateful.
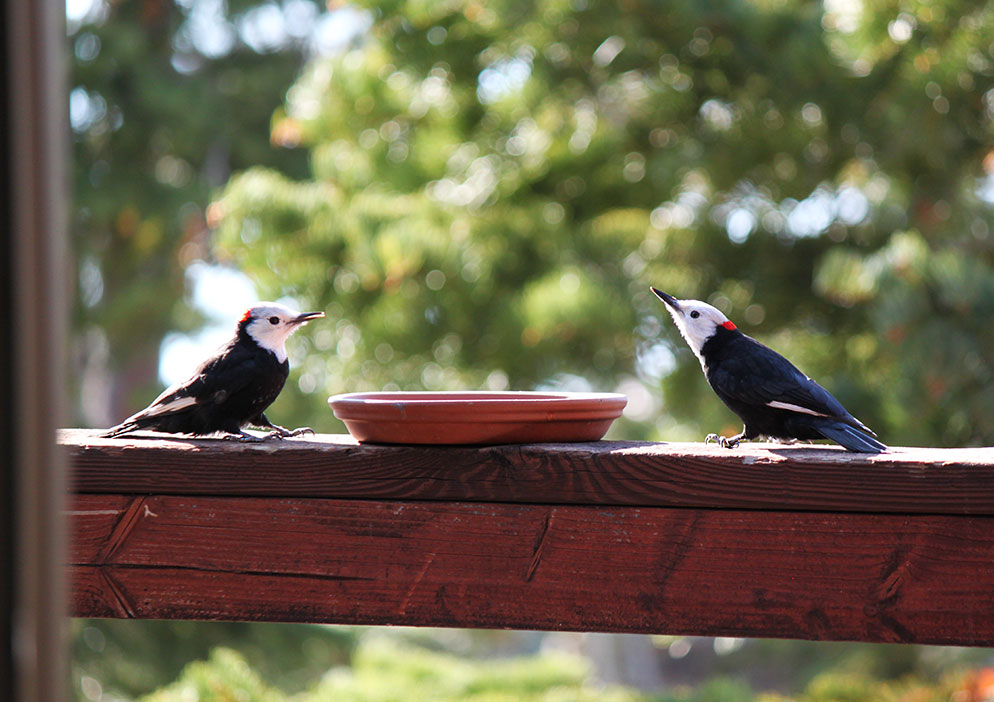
(477, 417)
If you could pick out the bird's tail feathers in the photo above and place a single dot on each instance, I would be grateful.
(853, 439)
(122, 428)
(859, 426)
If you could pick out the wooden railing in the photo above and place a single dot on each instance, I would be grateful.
(762, 541)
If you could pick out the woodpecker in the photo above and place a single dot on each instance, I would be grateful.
(232, 389)
(768, 393)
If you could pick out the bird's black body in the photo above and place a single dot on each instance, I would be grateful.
(771, 396)
(232, 389)
(747, 376)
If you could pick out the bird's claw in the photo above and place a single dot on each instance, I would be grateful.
(723, 441)
(284, 433)
(278, 434)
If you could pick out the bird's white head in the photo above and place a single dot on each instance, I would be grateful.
(697, 321)
(270, 324)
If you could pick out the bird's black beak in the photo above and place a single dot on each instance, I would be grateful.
(668, 299)
(306, 317)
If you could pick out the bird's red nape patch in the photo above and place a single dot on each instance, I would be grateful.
(247, 316)
(729, 325)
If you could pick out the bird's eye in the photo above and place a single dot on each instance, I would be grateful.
(695, 314)
(274, 320)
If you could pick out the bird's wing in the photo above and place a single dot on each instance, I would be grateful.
(760, 376)
(226, 372)
(173, 399)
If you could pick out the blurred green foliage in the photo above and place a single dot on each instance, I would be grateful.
(384, 669)
(127, 659)
(157, 125)
(493, 187)
(481, 195)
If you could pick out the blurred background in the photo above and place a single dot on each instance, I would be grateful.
(479, 195)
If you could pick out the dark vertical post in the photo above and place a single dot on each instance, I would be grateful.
(33, 271)
(7, 569)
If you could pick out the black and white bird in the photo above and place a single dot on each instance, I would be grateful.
(232, 389)
(768, 393)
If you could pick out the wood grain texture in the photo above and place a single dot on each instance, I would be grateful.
(754, 476)
(809, 575)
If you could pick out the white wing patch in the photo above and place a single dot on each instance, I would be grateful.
(776, 404)
(175, 406)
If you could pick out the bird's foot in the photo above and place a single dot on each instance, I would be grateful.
(243, 437)
(728, 442)
(284, 433)
(300, 431)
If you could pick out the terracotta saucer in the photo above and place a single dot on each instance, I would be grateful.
(477, 417)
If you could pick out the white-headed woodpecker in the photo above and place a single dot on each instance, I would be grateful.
(232, 389)
(768, 393)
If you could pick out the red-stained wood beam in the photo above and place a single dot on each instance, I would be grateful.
(807, 575)
(753, 476)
